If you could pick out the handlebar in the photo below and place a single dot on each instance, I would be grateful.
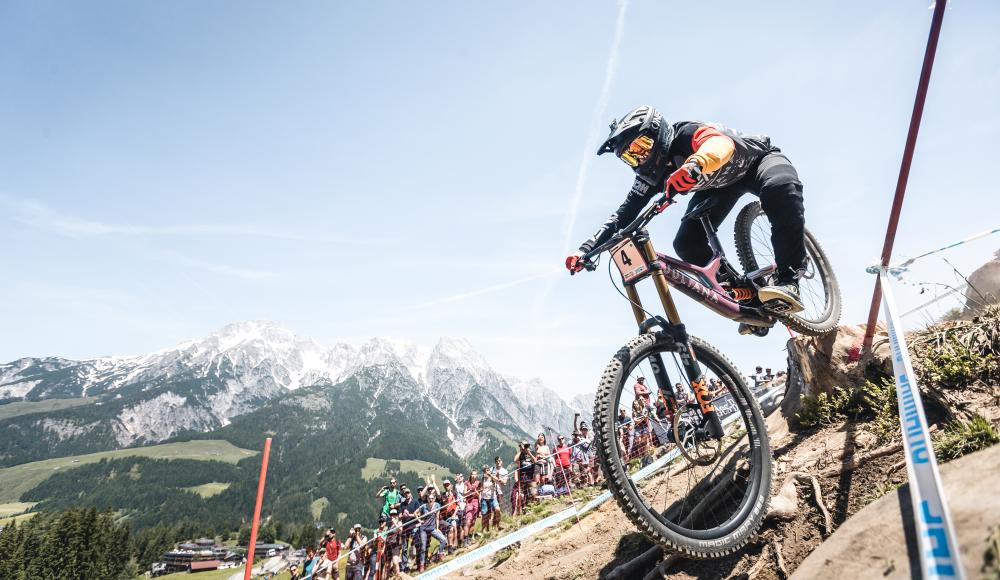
(638, 223)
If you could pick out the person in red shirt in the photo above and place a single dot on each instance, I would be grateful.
(563, 465)
(332, 554)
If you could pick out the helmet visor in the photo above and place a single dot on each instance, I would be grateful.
(638, 151)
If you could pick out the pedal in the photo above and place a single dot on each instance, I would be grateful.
(778, 306)
(745, 329)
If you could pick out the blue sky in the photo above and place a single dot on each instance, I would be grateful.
(419, 169)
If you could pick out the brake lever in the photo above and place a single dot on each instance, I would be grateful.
(664, 202)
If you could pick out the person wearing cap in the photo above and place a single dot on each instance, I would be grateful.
(409, 506)
(472, 488)
(356, 544)
(460, 512)
(579, 460)
(332, 554)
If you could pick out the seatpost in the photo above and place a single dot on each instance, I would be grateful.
(713, 238)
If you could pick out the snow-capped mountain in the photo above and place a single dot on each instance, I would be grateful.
(202, 384)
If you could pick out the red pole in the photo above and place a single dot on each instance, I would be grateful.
(256, 509)
(904, 168)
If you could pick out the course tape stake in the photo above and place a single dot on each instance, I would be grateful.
(939, 553)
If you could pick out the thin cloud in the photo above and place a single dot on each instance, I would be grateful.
(244, 273)
(42, 217)
(487, 290)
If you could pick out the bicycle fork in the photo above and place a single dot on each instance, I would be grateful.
(676, 328)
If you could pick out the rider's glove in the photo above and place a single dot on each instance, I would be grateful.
(573, 263)
(682, 180)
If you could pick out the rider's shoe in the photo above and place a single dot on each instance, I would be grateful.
(787, 294)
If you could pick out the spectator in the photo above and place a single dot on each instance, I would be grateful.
(293, 572)
(768, 377)
(449, 521)
(623, 423)
(641, 391)
(524, 478)
(394, 543)
(428, 515)
(376, 550)
(391, 496)
(588, 446)
(500, 476)
(309, 564)
(356, 543)
(542, 459)
(580, 460)
(563, 465)
(640, 430)
(472, 489)
(408, 518)
(460, 491)
(488, 500)
(758, 378)
(332, 554)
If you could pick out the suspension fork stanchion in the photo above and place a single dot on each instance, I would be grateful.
(656, 360)
(695, 377)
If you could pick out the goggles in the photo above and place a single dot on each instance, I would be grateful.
(638, 151)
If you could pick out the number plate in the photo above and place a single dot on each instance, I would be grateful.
(629, 260)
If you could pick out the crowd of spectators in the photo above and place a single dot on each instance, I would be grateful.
(409, 520)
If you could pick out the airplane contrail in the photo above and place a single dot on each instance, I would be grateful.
(487, 289)
(595, 127)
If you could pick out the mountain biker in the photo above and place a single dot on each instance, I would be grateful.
(710, 161)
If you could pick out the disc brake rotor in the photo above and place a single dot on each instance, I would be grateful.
(695, 449)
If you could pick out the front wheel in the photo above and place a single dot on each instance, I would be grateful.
(818, 286)
(692, 493)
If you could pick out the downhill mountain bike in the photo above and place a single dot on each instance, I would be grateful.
(689, 460)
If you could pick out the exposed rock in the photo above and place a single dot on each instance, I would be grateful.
(819, 364)
(872, 543)
(984, 286)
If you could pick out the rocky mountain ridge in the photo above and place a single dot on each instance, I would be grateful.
(203, 384)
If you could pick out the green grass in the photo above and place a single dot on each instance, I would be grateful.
(28, 407)
(14, 508)
(317, 507)
(375, 467)
(207, 490)
(18, 479)
(963, 437)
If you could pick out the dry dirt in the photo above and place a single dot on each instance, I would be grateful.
(605, 538)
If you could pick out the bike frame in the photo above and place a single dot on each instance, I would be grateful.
(702, 285)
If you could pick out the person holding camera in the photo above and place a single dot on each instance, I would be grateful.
(391, 496)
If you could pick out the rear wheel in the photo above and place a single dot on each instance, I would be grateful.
(818, 288)
(690, 493)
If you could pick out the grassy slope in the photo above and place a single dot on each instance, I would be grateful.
(207, 490)
(375, 467)
(18, 479)
(28, 407)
